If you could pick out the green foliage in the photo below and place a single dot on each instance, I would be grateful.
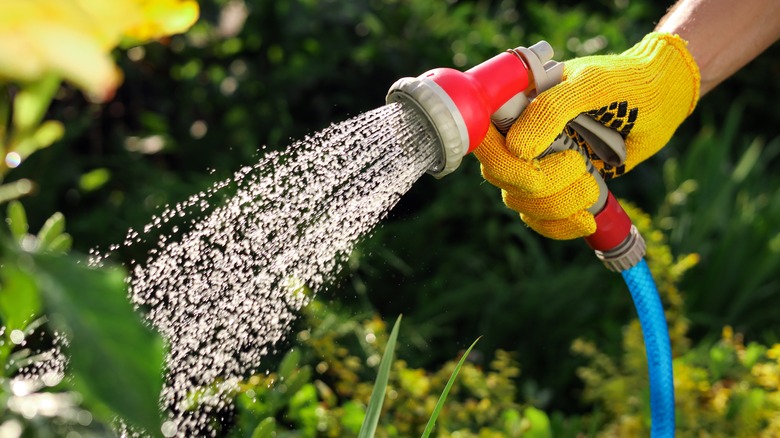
(108, 346)
(27, 132)
(333, 400)
(722, 389)
(720, 205)
(368, 429)
(105, 333)
(451, 258)
(443, 397)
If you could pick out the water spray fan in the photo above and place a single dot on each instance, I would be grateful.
(459, 107)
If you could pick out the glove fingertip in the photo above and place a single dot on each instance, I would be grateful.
(580, 224)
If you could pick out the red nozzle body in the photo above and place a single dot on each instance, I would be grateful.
(479, 92)
(616, 242)
(612, 226)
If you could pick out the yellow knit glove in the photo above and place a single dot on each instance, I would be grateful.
(644, 93)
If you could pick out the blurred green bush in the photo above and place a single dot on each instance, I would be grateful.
(254, 74)
(724, 387)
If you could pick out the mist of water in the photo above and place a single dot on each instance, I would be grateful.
(224, 292)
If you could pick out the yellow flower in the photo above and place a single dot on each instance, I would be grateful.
(74, 38)
(774, 353)
(767, 375)
(111, 18)
(720, 398)
(160, 18)
(38, 37)
(141, 20)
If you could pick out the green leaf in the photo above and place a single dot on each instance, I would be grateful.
(49, 132)
(298, 379)
(752, 354)
(17, 219)
(447, 387)
(60, 244)
(20, 301)
(53, 227)
(540, 423)
(353, 416)
(5, 112)
(115, 359)
(368, 428)
(303, 410)
(266, 429)
(15, 190)
(289, 364)
(94, 179)
(31, 103)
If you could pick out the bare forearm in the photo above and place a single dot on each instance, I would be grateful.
(723, 35)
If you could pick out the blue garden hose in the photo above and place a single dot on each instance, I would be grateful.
(657, 347)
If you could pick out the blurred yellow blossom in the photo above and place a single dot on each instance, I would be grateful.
(73, 38)
(163, 17)
(774, 353)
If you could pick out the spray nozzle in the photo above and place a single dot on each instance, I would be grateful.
(459, 105)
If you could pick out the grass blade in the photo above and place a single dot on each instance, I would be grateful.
(443, 396)
(371, 420)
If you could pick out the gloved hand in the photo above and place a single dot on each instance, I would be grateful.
(644, 93)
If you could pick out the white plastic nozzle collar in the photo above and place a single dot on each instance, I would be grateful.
(429, 99)
(626, 255)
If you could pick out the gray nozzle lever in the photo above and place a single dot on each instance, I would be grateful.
(605, 142)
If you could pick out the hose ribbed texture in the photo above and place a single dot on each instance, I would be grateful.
(657, 346)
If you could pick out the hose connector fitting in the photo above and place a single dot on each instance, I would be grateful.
(626, 255)
(616, 242)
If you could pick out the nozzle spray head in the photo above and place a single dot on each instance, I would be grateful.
(459, 105)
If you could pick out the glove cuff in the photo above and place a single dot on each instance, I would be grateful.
(671, 45)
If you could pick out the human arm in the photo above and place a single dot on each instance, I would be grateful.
(723, 35)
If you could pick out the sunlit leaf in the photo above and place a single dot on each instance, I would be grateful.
(377, 399)
(303, 409)
(15, 190)
(540, 423)
(32, 101)
(53, 227)
(354, 414)
(266, 429)
(94, 179)
(20, 301)
(17, 219)
(49, 132)
(110, 347)
(447, 387)
(60, 244)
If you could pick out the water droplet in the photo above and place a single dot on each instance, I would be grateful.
(168, 429)
(225, 289)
